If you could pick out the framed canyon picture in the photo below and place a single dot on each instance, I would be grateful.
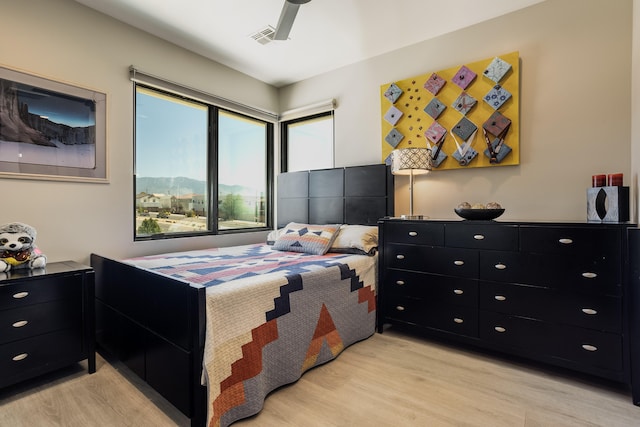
(50, 129)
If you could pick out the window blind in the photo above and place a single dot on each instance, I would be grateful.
(156, 82)
(309, 110)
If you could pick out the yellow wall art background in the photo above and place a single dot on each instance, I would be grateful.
(441, 109)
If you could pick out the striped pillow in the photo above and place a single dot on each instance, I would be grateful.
(307, 238)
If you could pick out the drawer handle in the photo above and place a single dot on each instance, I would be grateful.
(400, 256)
(20, 295)
(589, 275)
(589, 311)
(458, 320)
(500, 329)
(20, 323)
(400, 308)
(478, 236)
(413, 233)
(565, 241)
(500, 266)
(458, 262)
(500, 298)
(458, 291)
(589, 347)
(399, 282)
(19, 357)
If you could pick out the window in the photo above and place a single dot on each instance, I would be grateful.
(199, 169)
(242, 172)
(307, 143)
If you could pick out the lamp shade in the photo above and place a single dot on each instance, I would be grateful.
(410, 161)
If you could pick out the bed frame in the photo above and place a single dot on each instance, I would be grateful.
(156, 325)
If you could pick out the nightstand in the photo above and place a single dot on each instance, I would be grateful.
(47, 320)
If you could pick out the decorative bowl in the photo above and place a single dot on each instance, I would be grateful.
(479, 214)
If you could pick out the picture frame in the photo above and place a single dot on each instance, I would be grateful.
(51, 130)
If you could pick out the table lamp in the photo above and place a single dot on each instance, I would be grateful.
(411, 161)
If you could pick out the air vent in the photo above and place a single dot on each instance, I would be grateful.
(264, 35)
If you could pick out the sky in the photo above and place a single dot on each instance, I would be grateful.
(171, 140)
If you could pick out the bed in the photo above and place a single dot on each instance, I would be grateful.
(214, 331)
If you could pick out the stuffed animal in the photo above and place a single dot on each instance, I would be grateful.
(18, 249)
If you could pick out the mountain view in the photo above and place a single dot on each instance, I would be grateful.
(179, 186)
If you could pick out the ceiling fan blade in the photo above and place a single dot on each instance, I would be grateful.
(287, 16)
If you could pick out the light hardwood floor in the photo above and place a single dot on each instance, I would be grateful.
(391, 379)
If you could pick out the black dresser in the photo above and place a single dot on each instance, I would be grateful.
(557, 293)
(46, 320)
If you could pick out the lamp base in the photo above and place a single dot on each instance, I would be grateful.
(411, 216)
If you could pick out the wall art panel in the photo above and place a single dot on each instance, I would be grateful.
(469, 115)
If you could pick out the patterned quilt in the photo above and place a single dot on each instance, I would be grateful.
(271, 316)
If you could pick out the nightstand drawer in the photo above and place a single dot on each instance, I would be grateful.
(481, 236)
(449, 290)
(580, 346)
(456, 262)
(38, 290)
(416, 233)
(18, 358)
(38, 319)
(593, 242)
(433, 314)
(598, 312)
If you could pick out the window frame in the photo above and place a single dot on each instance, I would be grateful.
(212, 168)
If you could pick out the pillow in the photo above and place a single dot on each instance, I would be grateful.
(308, 238)
(273, 236)
(356, 239)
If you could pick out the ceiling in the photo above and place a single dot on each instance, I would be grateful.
(326, 34)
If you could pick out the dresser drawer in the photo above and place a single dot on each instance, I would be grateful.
(433, 314)
(452, 261)
(580, 346)
(481, 236)
(19, 358)
(38, 319)
(417, 233)
(598, 312)
(448, 290)
(510, 267)
(39, 290)
(601, 275)
(571, 241)
(590, 348)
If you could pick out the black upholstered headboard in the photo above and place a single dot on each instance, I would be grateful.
(351, 195)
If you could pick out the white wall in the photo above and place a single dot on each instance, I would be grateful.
(66, 41)
(635, 106)
(575, 107)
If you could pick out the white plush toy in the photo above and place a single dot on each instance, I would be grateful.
(18, 249)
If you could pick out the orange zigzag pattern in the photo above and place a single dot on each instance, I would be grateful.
(250, 365)
(366, 294)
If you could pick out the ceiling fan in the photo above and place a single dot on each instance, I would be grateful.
(287, 16)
